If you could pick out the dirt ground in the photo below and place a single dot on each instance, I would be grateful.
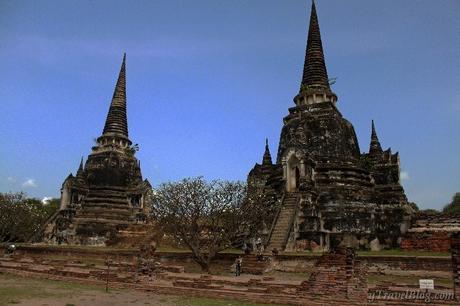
(15, 290)
(90, 297)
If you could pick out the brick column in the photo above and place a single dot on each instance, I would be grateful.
(455, 249)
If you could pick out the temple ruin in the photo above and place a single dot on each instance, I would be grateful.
(327, 192)
(108, 196)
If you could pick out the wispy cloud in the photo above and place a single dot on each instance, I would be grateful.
(405, 176)
(30, 183)
(11, 179)
(46, 200)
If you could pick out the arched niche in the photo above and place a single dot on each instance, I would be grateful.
(293, 173)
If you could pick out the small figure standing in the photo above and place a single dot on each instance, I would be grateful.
(260, 252)
(238, 264)
(9, 250)
(246, 249)
(260, 249)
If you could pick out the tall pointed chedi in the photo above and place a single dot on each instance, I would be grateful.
(267, 159)
(375, 149)
(116, 123)
(314, 70)
(314, 87)
(108, 195)
(322, 190)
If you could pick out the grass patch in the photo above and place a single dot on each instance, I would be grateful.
(214, 302)
(172, 249)
(304, 253)
(391, 252)
(14, 288)
(408, 280)
(167, 248)
(11, 292)
(232, 251)
(398, 252)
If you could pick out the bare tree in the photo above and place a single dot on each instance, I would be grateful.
(260, 210)
(206, 217)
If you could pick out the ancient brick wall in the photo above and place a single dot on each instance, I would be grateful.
(337, 274)
(455, 242)
(426, 241)
(431, 232)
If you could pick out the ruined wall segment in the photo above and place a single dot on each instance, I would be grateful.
(431, 232)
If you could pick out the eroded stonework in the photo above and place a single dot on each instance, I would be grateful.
(431, 232)
(327, 192)
(108, 195)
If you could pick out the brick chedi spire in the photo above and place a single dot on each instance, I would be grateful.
(375, 148)
(115, 131)
(80, 168)
(267, 160)
(314, 70)
(116, 122)
(314, 87)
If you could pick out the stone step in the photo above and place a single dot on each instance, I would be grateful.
(283, 213)
(106, 195)
(99, 199)
(105, 206)
(278, 235)
(109, 192)
(100, 218)
(109, 188)
(83, 221)
(108, 216)
(105, 210)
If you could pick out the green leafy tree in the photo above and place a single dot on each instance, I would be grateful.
(454, 206)
(22, 217)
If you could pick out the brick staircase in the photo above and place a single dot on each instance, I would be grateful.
(105, 205)
(283, 223)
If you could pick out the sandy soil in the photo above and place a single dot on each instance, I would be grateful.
(113, 298)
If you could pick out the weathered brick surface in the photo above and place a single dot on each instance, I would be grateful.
(456, 265)
(338, 274)
(426, 241)
(255, 289)
(285, 263)
(431, 232)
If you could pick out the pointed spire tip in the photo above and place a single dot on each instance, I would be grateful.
(116, 122)
(375, 147)
(314, 71)
(267, 158)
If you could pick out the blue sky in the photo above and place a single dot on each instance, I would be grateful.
(208, 81)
